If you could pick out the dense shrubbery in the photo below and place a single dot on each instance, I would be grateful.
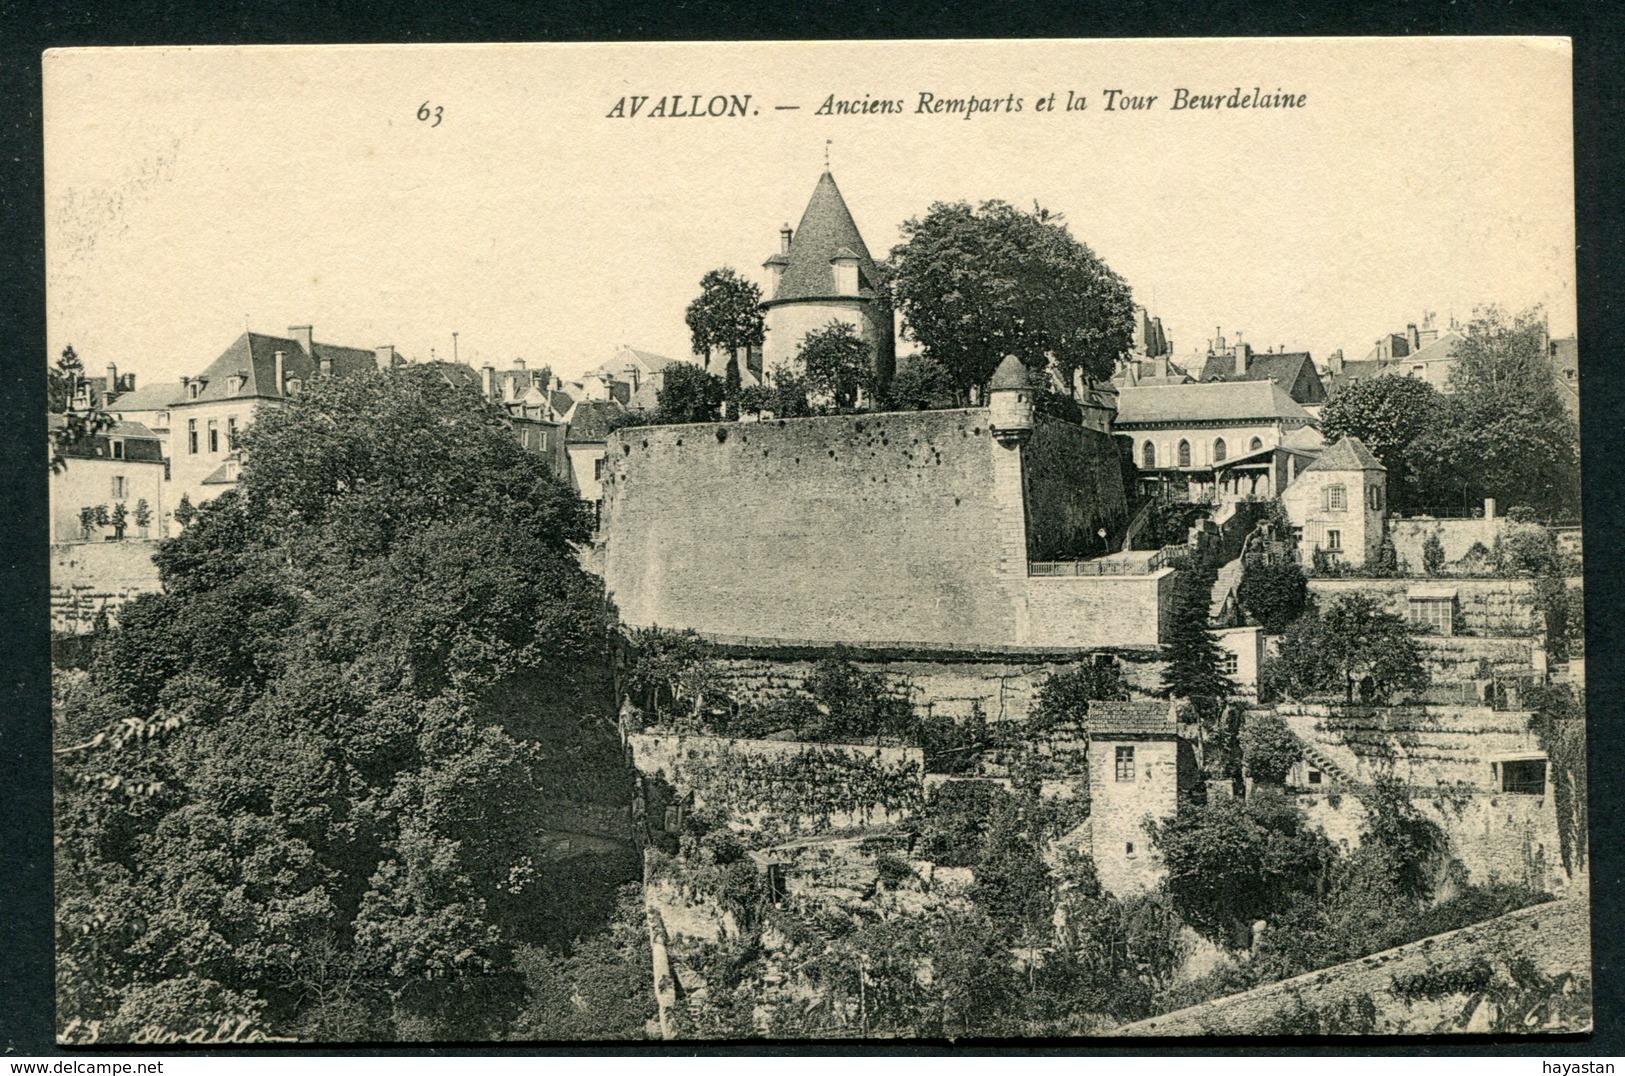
(303, 785)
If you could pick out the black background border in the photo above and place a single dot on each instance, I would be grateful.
(27, 29)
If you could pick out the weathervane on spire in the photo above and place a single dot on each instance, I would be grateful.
(827, 143)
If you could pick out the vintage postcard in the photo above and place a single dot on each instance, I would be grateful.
(817, 540)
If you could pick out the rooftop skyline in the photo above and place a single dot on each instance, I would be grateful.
(193, 193)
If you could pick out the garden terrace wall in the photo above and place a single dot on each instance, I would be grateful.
(1446, 755)
(1553, 938)
(91, 577)
(1005, 689)
(891, 530)
(785, 787)
(1494, 607)
(1456, 537)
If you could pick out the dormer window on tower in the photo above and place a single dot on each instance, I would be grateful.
(845, 264)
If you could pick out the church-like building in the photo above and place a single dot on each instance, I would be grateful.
(822, 272)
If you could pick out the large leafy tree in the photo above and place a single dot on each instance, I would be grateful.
(977, 284)
(727, 314)
(303, 785)
(1231, 862)
(689, 394)
(1389, 415)
(1353, 646)
(1511, 436)
(837, 363)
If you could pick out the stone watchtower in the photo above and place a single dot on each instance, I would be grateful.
(1010, 402)
(822, 272)
(1134, 776)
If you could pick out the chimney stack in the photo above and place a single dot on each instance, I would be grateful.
(488, 381)
(1413, 337)
(385, 356)
(784, 238)
(278, 382)
(1334, 363)
(302, 335)
(112, 382)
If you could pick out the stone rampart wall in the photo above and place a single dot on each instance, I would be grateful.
(907, 529)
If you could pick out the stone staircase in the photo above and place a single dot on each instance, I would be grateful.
(1224, 587)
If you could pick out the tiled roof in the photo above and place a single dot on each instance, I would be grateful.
(826, 231)
(625, 353)
(1214, 401)
(1137, 718)
(1348, 454)
(253, 355)
(561, 401)
(592, 421)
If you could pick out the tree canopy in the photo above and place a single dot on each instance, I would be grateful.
(1512, 438)
(1389, 415)
(689, 394)
(837, 363)
(976, 284)
(1353, 646)
(726, 315)
(304, 785)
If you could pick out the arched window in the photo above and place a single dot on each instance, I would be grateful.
(1184, 453)
(1257, 443)
(1148, 456)
(1219, 450)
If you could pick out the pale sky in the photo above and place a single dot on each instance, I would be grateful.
(190, 189)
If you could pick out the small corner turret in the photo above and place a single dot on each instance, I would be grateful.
(1010, 402)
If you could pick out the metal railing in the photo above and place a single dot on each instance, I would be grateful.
(1115, 564)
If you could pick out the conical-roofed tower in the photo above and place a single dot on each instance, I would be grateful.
(823, 272)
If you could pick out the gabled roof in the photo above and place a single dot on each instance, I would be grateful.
(646, 359)
(1214, 401)
(149, 398)
(826, 231)
(457, 374)
(561, 401)
(593, 421)
(1136, 719)
(1435, 350)
(1348, 454)
(1282, 367)
(253, 355)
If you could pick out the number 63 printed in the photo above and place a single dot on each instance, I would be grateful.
(426, 112)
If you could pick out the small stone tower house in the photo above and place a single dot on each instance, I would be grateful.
(1133, 778)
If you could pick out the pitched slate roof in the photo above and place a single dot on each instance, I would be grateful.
(1348, 454)
(826, 231)
(253, 355)
(1136, 718)
(1282, 367)
(593, 421)
(149, 398)
(1214, 401)
(457, 374)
